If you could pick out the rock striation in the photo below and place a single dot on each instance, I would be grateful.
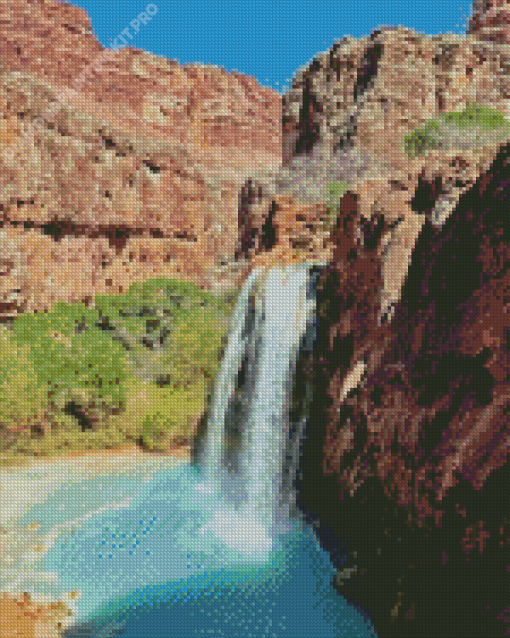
(117, 166)
(405, 466)
(347, 119)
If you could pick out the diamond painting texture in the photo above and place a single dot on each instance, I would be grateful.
(254, 337)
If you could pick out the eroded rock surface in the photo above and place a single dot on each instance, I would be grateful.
(491, 20)
(408, 463)
(117, 166)
(346, 119)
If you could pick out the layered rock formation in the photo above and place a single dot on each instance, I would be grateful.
(346, 119)
(405, 467)
(151, 135)
(117, 166)
(407, 458)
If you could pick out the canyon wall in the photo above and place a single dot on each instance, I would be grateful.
(406, 461)
(117, 166)
(405, 466)
(351, 117)
(404, 469)
(140, 166)
(490, 20)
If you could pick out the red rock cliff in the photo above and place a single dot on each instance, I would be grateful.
(491, 20)
(346, 118)
(134, 167)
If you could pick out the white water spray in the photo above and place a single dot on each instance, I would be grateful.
(273, 320)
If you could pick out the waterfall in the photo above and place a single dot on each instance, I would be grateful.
(172, 550)
(224, 386)
(257, 420)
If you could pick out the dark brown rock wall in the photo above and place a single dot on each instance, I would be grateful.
(410, 425)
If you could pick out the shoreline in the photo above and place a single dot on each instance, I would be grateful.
(183, 451)
(26, 615)
(19, 491)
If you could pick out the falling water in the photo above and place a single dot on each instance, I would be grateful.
(272, 323)
(226, 377)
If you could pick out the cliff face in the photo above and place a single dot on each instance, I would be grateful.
(406, 462)
(117, 166)
(491, 20)
(353, 115)
(405, 467)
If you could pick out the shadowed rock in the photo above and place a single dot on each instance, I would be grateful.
(411, 466)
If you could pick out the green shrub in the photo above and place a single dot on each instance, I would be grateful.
(433, 133)
(158, 414)
(149, 318)
(335, 190)
(23, 402)
(85, 367)
(77, 365)
(194, 347)
(477, 115)
(67, 437)
(422, 139)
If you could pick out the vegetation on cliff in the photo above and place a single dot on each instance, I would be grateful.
(473, 126)
(336, 191)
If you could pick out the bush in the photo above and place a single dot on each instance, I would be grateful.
(178, 409)
(436, 133)
(477, 115)
(423, 139)
(336, 190)
(84, 369)
(152, 318)
(23, 401)
(158, 415)
(192, 355)
(194, 347)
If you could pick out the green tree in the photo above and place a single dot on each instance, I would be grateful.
(23, 401)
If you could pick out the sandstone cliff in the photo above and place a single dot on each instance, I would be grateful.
(359, 114)
(405, 466)
(133, 169)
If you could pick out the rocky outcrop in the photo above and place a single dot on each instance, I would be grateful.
(254, 223)
(182, 163)
(347, 119)
(348, 112)
(117, 166)
(407, 458)
(24, 617)
(491, 20)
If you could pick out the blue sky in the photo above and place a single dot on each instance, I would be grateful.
(268, 39)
